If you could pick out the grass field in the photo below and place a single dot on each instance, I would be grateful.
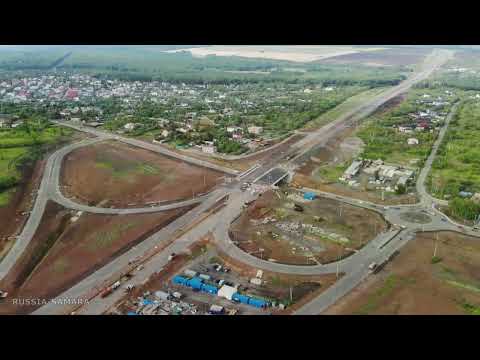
(457, 165)
(17, 146)
(331, 173)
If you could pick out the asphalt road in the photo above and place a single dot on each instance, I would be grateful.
(149, 146)
(426, 197)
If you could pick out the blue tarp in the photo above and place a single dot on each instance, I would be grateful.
(132, 313)
(180, 280)
(309, 196)
(147, 302)
(195, 283)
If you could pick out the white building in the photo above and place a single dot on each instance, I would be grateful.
(353, 169)
(412, 141)
(255, 130)
(129, 126)
(209, 148)
(165, 133)
(227, 292)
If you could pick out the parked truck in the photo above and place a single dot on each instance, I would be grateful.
(105, 292)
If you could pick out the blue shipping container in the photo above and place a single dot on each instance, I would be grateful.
(259, 303)
(179, 280)
(240, 298)
(209, 288)
(309, 196)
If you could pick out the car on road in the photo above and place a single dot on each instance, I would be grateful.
(171, 256)
(372, 266)
(443, 219)
(3, 294)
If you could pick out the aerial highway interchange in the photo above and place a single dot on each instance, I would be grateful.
(281, 164)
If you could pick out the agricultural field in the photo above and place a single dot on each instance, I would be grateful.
(457, 165)
(284, 292)
(418, 283)
(461, 72)
(326, 230)
(397, 56)
(114, 174)
(69, 246)
(288, 53)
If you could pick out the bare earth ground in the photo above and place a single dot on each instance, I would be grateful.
(63, 252)
(387, 57)
(11, 220)
(355, 224)
(289, 53)
(119, 175)
(411, 284)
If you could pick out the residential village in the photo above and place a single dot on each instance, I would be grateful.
(228, 118)
(376, 174)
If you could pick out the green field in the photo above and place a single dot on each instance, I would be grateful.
(331, 173)
(457, 165)
(22, 146)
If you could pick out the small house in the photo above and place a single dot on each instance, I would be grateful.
(256, 130)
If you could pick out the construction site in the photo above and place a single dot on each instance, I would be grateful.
(205, 281)
(291, 227)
